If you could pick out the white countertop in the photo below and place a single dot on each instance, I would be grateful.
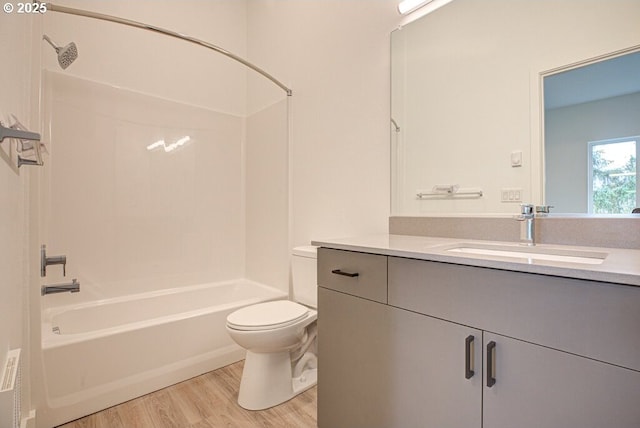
(621, 266)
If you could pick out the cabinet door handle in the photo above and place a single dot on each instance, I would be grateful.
(468, 357)
(349, 274)
(491, 364)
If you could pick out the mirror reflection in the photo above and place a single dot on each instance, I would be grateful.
(468, 109)
(592, 118)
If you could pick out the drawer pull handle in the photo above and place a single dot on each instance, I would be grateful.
(468, 357)
(491, 364)
(349, 274)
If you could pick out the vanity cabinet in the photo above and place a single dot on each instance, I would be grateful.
(538, 387)
(387, 367)
(381, 366)
(562, 352)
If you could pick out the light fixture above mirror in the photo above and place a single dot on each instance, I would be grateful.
(408, 6)
(405, 7)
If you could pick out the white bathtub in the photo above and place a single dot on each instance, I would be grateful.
(102, 353)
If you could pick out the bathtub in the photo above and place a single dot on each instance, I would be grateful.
(102, 353)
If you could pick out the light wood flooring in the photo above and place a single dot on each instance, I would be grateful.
(206, 401)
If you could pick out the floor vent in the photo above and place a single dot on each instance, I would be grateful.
(10, 389)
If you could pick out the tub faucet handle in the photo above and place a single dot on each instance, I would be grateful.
(53, 260)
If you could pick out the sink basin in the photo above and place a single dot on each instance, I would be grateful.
(531, 253)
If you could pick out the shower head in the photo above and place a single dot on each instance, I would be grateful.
(66, 55)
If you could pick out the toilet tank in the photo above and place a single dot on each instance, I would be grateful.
(304, 275)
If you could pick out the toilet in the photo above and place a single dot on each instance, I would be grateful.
(280, 339)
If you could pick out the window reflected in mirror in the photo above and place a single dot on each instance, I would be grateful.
(613, 186)
(591, 143)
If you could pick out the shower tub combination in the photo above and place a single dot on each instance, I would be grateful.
(98, 354)
(101, 353)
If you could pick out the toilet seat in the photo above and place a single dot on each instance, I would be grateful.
(267, 316)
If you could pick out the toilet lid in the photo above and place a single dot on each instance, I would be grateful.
(266, 316)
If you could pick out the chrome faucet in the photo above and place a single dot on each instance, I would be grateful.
(73, 287)
(527, 225)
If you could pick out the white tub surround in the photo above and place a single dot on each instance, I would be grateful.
(98, 354)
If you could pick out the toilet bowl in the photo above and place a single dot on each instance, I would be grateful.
(280, 339)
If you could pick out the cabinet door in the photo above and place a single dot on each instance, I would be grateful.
(538, 387)
(380, 366)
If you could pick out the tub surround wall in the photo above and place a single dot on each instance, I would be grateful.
(248, 172)
(130, 219)
(267, 196)
(594, 231)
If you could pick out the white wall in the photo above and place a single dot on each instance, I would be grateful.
(14, 44)
(335, 56)
(568, 130)
(19, 96)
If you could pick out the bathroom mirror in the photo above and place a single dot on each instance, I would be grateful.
(467, 101)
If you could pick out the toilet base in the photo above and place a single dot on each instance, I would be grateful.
(267, 380)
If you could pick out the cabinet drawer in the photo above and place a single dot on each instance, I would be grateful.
(359, 274)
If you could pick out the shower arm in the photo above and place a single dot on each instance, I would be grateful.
(136, 24)
(48, 40)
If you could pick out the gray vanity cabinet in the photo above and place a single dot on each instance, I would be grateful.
(353, 345)
(562, 352)
(384, 367)
(538, 387)
(381, 366)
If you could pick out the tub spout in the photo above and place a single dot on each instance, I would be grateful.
(73, 287)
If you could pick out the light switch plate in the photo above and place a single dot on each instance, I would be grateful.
(516, 159)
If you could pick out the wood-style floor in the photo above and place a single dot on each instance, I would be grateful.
(205, 401)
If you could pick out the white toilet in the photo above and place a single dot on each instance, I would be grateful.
(280, 339)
